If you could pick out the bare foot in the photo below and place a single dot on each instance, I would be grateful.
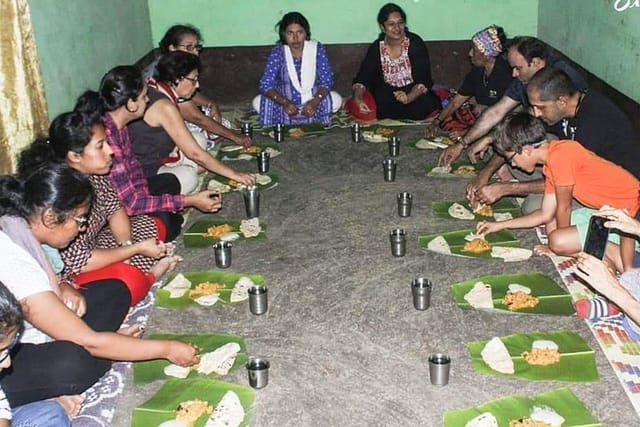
(165, 265)
(70, 403)
(542, 250)
(134, 331)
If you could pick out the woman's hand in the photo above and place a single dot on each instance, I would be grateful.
(309, 109)
(183, 354)
(247, 179)
(620, 220)
(363, 108)
(152, 248)
(72, 299)
(401, 96)
(205, 201)
(290, 108)
(486, 227)
(432, 129)
(595, 272)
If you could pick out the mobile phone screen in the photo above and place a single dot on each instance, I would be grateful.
(596, 237)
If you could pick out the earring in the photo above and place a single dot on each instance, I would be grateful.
(133, 111)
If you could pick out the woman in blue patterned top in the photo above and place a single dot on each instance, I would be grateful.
(296, 84)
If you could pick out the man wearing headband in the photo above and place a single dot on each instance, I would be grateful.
(486, 82)
(526, 55)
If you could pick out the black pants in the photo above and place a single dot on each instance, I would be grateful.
(166, 183)
(43, 371)
(387, 107)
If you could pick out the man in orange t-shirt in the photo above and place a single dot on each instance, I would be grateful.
(571, 172)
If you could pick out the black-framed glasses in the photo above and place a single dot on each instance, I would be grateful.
(82, 221)
(7, 351)
(191, 47)
(509, 160)
(193, 80)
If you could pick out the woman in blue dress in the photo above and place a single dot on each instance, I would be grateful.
(295, 87)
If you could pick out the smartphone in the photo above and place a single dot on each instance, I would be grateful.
(597, 237)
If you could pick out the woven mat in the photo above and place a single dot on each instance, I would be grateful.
(341, 119)
(100, 400)
(621, 350)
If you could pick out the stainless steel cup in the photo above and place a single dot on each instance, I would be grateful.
(263, 161)
(258, 301)
(404, 204)
(247, 129)
(258, 370)
(222, 254)
(439, 366)
(278, 132)
(421, 291)
(356, 132)
(394, 146)
(252, 202)
(389, 170)
(398, 240)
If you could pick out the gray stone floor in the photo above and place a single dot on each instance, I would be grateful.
(346, 346)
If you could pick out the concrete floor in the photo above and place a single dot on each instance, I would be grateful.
(346, 346)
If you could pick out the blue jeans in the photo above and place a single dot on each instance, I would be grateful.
(45, 413)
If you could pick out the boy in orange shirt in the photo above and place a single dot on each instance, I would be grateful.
(571, 172)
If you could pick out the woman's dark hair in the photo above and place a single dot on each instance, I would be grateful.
(54, 185)
(68, 132)
(176, 65)
(117, 87)
(292, 18)
(518, 130)
(387, 10)
(175, 34)
(11, 316)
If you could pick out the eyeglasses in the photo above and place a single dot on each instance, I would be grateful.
(193, 80)
(82, 221)
(509, 160)
(7, 351)
(191, 47)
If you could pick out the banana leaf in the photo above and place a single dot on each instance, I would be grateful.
(553, 299)
(233, 155)
(561, 400)
(195, 236)
(577, 360)
(437, 142)
(261, 187)
(456, 242)
(161, 407)
(311, 129)
(454, 166)
(163, 296)
(504, 205)
(152, 370)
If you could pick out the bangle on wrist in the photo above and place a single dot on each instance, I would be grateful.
(460, 140)
(125, 243)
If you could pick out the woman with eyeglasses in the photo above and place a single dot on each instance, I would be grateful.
(113, 244)
(201, 113)
(46, 412)
(394, 81)
(161, 141)
(121, 99)
(70, 337)
(295, 87)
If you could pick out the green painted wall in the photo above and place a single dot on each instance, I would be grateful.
(251, 22)
(80, 40)
(593, 33)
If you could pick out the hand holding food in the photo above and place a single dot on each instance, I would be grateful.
(450, 154)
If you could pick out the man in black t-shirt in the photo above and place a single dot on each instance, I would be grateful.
(589, 118)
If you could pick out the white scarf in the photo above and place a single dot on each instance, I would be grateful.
(304, 85)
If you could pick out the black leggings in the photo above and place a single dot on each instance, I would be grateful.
(166, 183)
(57, 368)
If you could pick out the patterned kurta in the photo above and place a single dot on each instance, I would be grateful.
(98, 234)
(276, 77)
